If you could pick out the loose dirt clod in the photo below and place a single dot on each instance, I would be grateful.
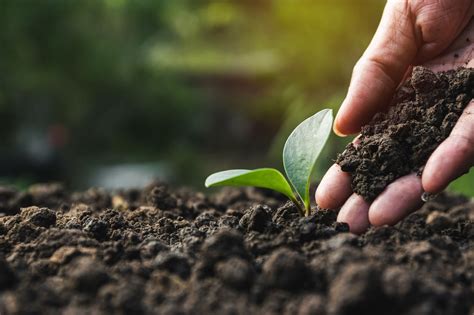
(423, 112)
(241, 251)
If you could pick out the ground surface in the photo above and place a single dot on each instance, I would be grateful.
(423, 113)
(237, 252)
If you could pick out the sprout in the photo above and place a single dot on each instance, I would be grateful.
(300, 153)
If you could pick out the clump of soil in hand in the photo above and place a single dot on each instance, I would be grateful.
(423, 112)
(240, 251)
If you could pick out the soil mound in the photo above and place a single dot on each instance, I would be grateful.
(240, 251)
(423, 112)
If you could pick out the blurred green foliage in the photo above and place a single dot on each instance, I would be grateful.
(198, 84)
(464, 184)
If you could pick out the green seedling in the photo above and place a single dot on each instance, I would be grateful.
(300, 153)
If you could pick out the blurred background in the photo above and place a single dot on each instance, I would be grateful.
(115, 93)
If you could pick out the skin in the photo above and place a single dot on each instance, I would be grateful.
(440, 35)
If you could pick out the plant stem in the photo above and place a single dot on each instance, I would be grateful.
(301, 209)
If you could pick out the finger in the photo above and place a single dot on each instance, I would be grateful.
(334, 188)
(399, 199)
(355, 213)
(454, 156)
(380, 69)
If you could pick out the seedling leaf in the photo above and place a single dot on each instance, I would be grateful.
(300, 153)
(302, 149)
(263, 177)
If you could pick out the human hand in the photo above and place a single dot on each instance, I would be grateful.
(439, 35)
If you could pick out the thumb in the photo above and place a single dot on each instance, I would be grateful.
(380, 69)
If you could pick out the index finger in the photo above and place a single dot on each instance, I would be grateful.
(380, 69)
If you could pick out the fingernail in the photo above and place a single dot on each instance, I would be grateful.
(337, 132)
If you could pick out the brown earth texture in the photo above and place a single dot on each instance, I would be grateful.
(423, 112)
(238, 251)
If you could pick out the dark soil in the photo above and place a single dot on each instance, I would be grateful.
(423, 113)
(246, 251)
